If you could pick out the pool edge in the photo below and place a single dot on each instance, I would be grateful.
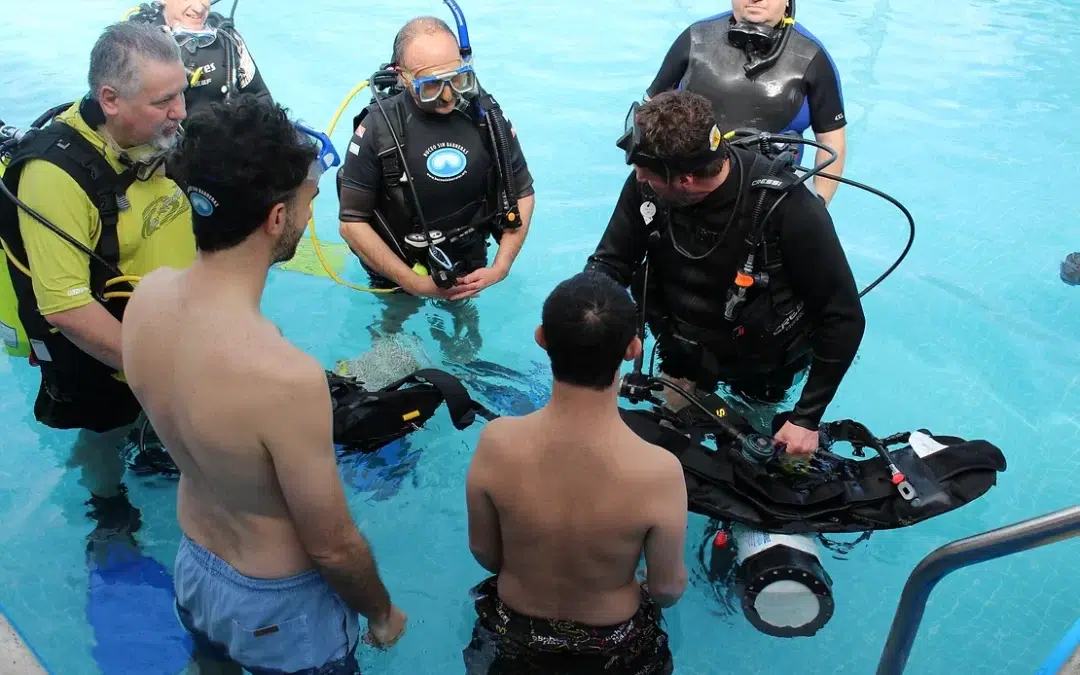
(16, 657)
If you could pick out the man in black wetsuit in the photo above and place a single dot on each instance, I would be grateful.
(460, 193)
(217, 59)
(799, 90)
(688, 206)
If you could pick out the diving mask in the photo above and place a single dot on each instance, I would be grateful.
(328, 156)
(192, 40)
(462, 80)
(632, 140)
(749, 36)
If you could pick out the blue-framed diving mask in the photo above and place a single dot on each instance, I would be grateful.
(462, 80)
(632, 140)
(328, 156)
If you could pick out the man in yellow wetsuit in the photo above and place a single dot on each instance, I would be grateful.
(96, 175)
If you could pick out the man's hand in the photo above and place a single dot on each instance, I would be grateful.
(799, 441)
(422, 285)
(385, 633)
(474, 282)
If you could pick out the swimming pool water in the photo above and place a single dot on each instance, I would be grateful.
(965, 111)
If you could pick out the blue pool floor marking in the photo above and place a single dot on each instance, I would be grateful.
(1062, 652)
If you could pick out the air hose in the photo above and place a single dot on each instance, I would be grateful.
(501, 143)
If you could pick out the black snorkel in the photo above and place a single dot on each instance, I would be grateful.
(508, 217)
(751, 37)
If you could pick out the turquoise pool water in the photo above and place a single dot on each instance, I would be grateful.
(965, 111)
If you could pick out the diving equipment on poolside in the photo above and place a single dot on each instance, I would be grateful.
(763, 44)
(781, 584)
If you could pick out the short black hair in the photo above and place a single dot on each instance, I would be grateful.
(243, 156)
(588, 321)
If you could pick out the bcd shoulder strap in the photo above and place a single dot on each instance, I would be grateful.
(66, 148)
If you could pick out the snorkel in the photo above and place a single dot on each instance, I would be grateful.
(509, 217)
(748, 34)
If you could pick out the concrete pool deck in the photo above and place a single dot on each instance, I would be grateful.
(15, 657)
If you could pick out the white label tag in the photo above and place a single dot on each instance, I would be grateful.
(923, 445)
(9, 336)
(41, 351)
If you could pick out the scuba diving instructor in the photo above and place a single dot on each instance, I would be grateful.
(762, 70)
(431, 173)
(731, 297)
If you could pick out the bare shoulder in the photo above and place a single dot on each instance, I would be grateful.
(150, 287)
(286, 368)
(503, 437)
(662, 467)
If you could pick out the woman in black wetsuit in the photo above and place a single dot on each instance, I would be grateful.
(758, 77)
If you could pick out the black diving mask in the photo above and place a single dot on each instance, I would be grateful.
(755, 37)
(632, 140)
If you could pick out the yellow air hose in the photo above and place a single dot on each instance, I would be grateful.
(311, 223)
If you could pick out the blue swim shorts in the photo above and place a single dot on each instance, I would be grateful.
(292, 626)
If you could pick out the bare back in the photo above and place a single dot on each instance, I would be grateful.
(577, 506)
(208, 373)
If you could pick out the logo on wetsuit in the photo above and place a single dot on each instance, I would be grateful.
(446, 161)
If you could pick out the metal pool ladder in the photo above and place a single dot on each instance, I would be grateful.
(1022, 536)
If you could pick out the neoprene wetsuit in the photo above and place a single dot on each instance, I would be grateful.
(800, 91)
(810, 312)
(453, 173)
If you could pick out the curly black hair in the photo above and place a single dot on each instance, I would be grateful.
(247, 154)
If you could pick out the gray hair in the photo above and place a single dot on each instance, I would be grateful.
(120, 50)
(421, 25)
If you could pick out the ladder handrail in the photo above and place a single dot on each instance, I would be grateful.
(1022, 536)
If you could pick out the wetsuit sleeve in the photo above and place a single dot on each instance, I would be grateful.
(825, 95)
(249, 76)
(674, 66)
(359, 179)
(821, 277)
(523, 179)
(622, 248)
(59, 271)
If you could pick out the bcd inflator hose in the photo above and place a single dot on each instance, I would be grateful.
(752, 136)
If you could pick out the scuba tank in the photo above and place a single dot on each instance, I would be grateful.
(782, 586)
(12, 335)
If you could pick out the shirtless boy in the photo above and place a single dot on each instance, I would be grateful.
(563, 502)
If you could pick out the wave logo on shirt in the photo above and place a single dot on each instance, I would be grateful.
(446, 162)
(163, 211)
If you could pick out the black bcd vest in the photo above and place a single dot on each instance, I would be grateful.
(771, 327)
(63, 146)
